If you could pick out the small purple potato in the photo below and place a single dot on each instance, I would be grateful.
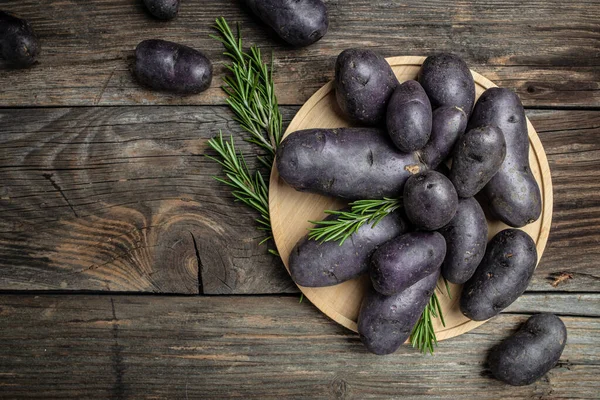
(364, 83)
(430, 200)
(408, 117)
(403, 261)
(449, 124)
(163, 9)
(298, 22)
(19, 47)
(466, 240)
(476, 159)
(513, 193)
(448, 82)
(172, 67)
(351, 163)
(316, 264)
(501, 277)
(531, 352)
(385, 322)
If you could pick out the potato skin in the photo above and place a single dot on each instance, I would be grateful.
(385, 322)
(477, 157)
(408, 117)
(403, 261)
(316, 264)
(531, 352)
(501, 277)
(513, 193)
(364, 83)
(163, 9)
(351, 163)
(448, 82)
(430, 200)
(466, 240)
(448, 124)
(298, 22)
(172, 67)
(19, 46)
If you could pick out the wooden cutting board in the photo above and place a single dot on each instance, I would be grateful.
(291, 210)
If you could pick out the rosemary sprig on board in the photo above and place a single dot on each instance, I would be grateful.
(423, 336)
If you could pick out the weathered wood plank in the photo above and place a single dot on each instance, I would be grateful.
(250, 347)
(109, 198)
(546, 50)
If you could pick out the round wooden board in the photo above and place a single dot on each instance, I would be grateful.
(291, 210)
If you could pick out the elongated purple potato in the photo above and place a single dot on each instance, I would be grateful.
(466, 240)
(350, 163)
(298, 22)
(403, 261)
(163, 9)
(477, 157)
(501, 277)
(531, 352)
(316, 264)
(172, 67)
(513, 193)
(408, 117)
(385, 322)
(364, 83)
(19, 46)
(449, 123)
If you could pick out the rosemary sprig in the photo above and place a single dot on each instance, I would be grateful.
(423, 336)
(348, 222)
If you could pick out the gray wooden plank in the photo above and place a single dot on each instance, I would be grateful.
(546, 50)
(251, 347)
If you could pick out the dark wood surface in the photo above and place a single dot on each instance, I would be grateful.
(104, 188)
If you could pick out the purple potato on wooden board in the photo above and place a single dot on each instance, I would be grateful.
(385, 322)
(364, 83)
(531, 352)
(163, 9)
(448, 124)
(350, 163)
(513, 194)
(466, 239)
(477, 157)
(173, 67)
(19, 46)
(408, 117)
(448, 82)
(501, 277)
(298, 22)
(430, 200)
(317, 264)
(403, 261)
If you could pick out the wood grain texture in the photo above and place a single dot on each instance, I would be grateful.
(252, 347)
(126, 169)
(545, 50)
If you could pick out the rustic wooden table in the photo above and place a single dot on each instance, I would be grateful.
(113, 232)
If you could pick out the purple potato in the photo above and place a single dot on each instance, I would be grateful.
(385, 322)
(350, 163)
(448, 82)
(172, 67)
(531, 352)
(466, 240)
(408, 117)
(316, 264)
(430, 200)
(513, 194)
(403, 261)
(448, 125)
(501, 277)
(364, 83)
(19, 46)
(477, 157)
(298, 22)
(163, 9)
